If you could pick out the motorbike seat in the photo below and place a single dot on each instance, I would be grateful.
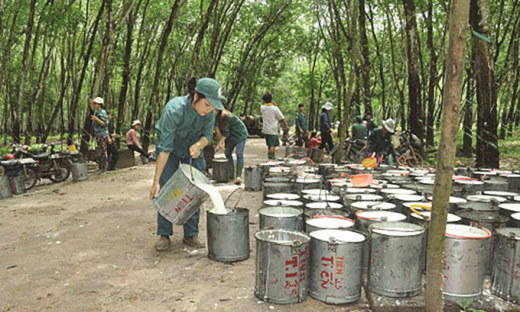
(43, 156)
(10, 163)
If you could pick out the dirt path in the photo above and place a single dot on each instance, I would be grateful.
(89, 246)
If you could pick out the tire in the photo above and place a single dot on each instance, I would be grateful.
(59, 172)
(417, 162)
(30, 178)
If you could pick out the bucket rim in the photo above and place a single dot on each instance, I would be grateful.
(316, 233)
(392, 228)
(376, 204)
(281, 202)
(488, 232)
(331, 205)
(296, 233)
(265, 211)
(397, 214)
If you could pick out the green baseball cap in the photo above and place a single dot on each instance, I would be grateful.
(223, 100)
(211, 89)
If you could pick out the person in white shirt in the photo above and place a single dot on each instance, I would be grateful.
(271, 115)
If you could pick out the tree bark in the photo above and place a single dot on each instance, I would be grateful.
(200, 37)
(458, 23)
(18, 113)
(487, 140)
(158, 69)
(467, 141)
(432, 79)
(415, 105)
(367, 96)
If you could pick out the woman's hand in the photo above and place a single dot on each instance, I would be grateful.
(94, 118)
(195, 150)
(154, 191)
(221, 145)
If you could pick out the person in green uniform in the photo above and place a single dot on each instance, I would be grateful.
(302, 128)
(380, 142)
(232, 133)
(100, 123)
(359, 130)
(184, 129)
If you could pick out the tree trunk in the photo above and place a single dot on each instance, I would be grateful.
(381, 67)
(18, 113)
(432, 79)
(467, 141)
(367, 96)
(516, 73)
(415, 105)
(200, 38)
(155, 89)
(458, 23)
(487, 140)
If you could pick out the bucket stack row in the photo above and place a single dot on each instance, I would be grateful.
(323, 226)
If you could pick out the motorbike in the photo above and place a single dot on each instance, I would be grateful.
(26, 168)
(351, 150)
(53, 167)
(410, 149)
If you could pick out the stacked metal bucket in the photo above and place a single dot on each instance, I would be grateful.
(318, 232)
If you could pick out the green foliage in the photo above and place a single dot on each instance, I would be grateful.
(466, 306)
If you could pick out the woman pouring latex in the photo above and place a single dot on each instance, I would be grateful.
(184, 129)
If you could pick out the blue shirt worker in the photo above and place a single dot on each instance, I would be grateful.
(326, 127)
(185, 127)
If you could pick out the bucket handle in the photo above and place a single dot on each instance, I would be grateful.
(412, 208)
(239, 197)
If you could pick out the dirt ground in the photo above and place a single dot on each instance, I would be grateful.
(89, 246)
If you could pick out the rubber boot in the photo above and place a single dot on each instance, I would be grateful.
(239, 174)
(231, 167)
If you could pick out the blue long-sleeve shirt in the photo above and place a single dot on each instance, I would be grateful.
(325, 123)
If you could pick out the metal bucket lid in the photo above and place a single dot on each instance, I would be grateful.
(498, 193)
(283, 196)
(315, 192)
(398, 191)
(275, 202)
(339, 236)
(377, 215)
(283, 237)
(488, 173)
(466, 231)
(469, 182)
(485, 198)
(453, 200)
(324, 205)
(322, 197)
(271, 163)
(360, 190)
(427, 181)
(307, 180)
(516, 216)
(407, 198)
(516, 198)
(482, 216)
(451, 217)
(375, 205)
(280, 169)
(510, 232)
(384, 185)
(512, 207)
(396, 229)
(280, 212)
(330, 222)
(496, 182)
(364, 197)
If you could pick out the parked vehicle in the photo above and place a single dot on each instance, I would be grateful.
(26, 168)
(254, 124)
(53, 167)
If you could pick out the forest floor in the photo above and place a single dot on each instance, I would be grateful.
(89, 246)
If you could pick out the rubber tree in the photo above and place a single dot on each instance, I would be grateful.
(487, 123)
(458, 25)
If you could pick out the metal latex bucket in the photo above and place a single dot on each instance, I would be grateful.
(482, 204)
(327, 223)
(515, 220)
(290, 150)
(454, 202)
(220, 170)
(282, 269)
(364, 218)
(281, 218)
(504, 280)
(371, 205)
(283, 196)
(335, 274)
(395, 266)
(253, 178)
(282, 202)
(495, 185)
(464, 262)
(306, 184)
(5, 188)
(182, 195)
(388, 193)
(320, 198)
(228, 235)
(463, 188)
(18, 185)
(326, 169)
(350, 198)
(324, 209)
(507, 209)
(508, 195)
(398, 201)
(514, 183)
(79, 171)
(316, 155)
(273, 185)
(491, 222)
